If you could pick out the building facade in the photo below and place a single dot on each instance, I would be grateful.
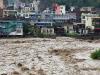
(86, 18)
(1, 8)
(1, 4)
(60, 9)
(11, 28)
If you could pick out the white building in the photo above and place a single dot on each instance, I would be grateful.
(63, 9)
(86, 9)
(26, 12)
(35, 5)
(86, 18)
(72, 8)
(60, 9)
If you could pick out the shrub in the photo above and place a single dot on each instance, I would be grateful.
(73, 34)
(30, 30)
(96, 54)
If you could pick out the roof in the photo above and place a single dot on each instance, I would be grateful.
(11, 21)
(65, 17)
(78, 24)
(44, 24)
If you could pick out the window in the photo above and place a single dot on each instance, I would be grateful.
(83, 22)
(18, 30)
(51, 31)
(61, 7)
(83, 17)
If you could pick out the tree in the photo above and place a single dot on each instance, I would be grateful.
(79, 2)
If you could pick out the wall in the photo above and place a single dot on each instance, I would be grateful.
(48, 31)
(87, 19)
(1, 4)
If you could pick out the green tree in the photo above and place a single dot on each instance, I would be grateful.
(81, 3)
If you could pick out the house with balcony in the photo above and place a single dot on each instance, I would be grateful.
(10, 10)
(88, 20)
(26, 12)
(28, 9)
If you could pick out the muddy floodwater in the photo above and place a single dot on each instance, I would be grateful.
(45, 56)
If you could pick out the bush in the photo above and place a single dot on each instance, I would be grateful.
(31, 30)
(96, 54)
(73, 34)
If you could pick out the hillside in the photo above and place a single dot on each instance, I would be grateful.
(81, 3)
(69, 2)
(95, 3)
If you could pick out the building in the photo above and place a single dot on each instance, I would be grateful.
(72, 8)
(9, 13)
(26, 12)
(79, 28)
(60, 9)
(46, 28)
(11, 28)
(28, 9)
(91, 22)
(1, 8)
(87, 9)
(87, 19)
(63, 9)
(35, 5)
(1, 4)
(54, 24)
(64, 19)
(96, 24)
(1, 13)
(11, 2)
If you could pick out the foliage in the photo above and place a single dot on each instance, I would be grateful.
(31, 29)
(73, 34)
(96, 54)
(79, 3)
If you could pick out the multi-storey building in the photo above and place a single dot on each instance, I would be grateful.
(60, 9)
(14, 3)
(1, 4)
(91, 22)
(87, 19)
(1, 7)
